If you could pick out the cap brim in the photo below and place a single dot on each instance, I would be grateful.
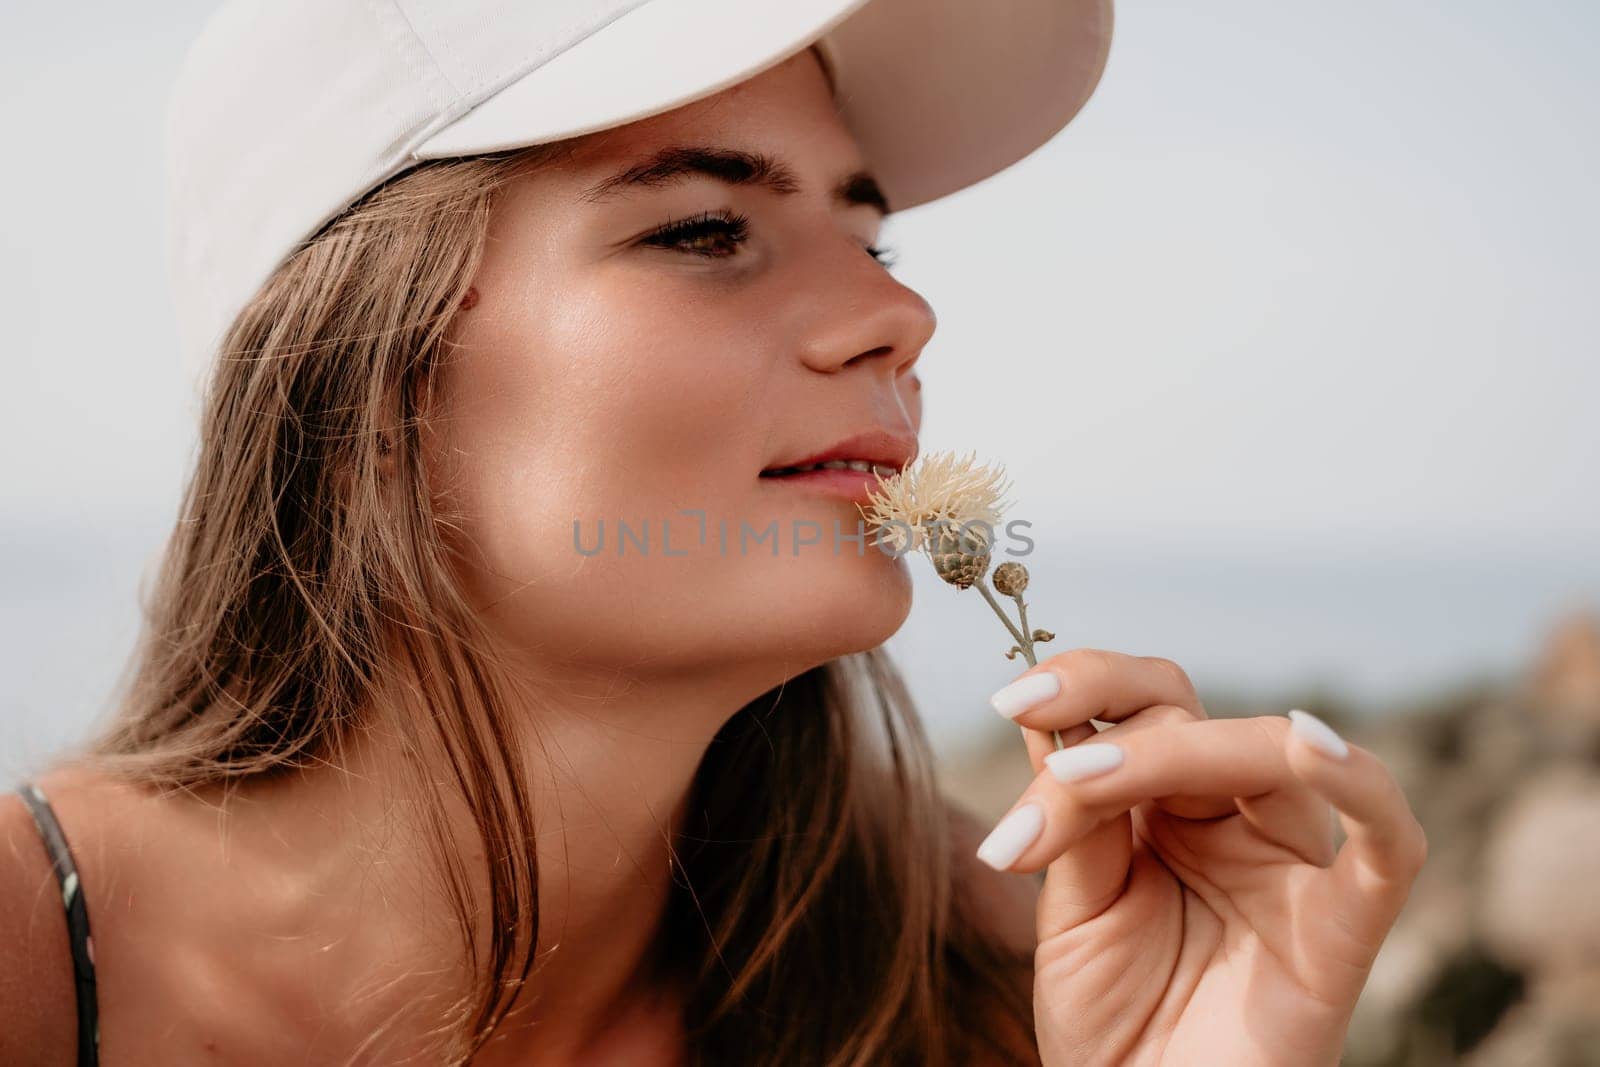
(939, 93)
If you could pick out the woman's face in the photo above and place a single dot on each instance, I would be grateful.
(609, 375)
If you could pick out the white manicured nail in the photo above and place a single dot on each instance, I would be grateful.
(1318, 734)
(1011, 836)
(1084, 761)
(1024, 693)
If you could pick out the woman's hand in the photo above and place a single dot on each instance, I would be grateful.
(1194, 910)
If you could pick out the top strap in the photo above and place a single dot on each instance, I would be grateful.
(55, 842)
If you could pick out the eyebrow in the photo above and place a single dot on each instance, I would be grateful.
(733, 167)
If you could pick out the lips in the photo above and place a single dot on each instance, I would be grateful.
(835, 465)
(844, 483)
(873, 451)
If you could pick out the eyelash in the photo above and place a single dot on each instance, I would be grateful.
(732, 226)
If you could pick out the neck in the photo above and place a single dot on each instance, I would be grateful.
(609, 763)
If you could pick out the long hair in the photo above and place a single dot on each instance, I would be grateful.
(816, 914)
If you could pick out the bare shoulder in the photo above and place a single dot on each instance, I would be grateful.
(216, 935)
(38, 995)
(38, 1007)
(163, 980)
(1005, 902)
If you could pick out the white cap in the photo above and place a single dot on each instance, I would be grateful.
(285, 112)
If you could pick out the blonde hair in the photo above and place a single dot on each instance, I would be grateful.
(816, 914)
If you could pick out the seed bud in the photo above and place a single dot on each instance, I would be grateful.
(1010, 579)
(958, 560)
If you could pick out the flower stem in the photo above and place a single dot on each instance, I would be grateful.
(1024, 636)
(1027, 645)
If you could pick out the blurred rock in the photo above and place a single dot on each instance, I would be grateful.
(1564, 684)
(1557, 1025)
(1541, 874)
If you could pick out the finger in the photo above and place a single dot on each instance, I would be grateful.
(1295, 816)
(1041, 745)
(1080, 684)
(1385, 846)
(1290, 815)
(1208, 757)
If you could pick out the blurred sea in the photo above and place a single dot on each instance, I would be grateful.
(1274, 620)
(1277, 619)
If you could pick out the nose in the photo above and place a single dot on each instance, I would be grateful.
(865, 315)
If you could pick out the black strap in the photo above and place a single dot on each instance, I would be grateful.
(55, 842)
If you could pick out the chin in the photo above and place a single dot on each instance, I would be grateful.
(781, 614)
(848, 603)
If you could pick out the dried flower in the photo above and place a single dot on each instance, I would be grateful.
(949, 508)
(940, 494)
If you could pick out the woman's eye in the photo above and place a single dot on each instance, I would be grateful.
(717, 236)
(704, 235)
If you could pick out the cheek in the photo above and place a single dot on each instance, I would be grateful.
(576, 408)
(625, 407)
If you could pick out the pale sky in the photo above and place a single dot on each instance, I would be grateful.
(1308, 282)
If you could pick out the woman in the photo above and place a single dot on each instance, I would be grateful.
(405, 772)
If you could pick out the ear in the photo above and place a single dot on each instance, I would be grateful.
(386, 453)
(424, 403)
